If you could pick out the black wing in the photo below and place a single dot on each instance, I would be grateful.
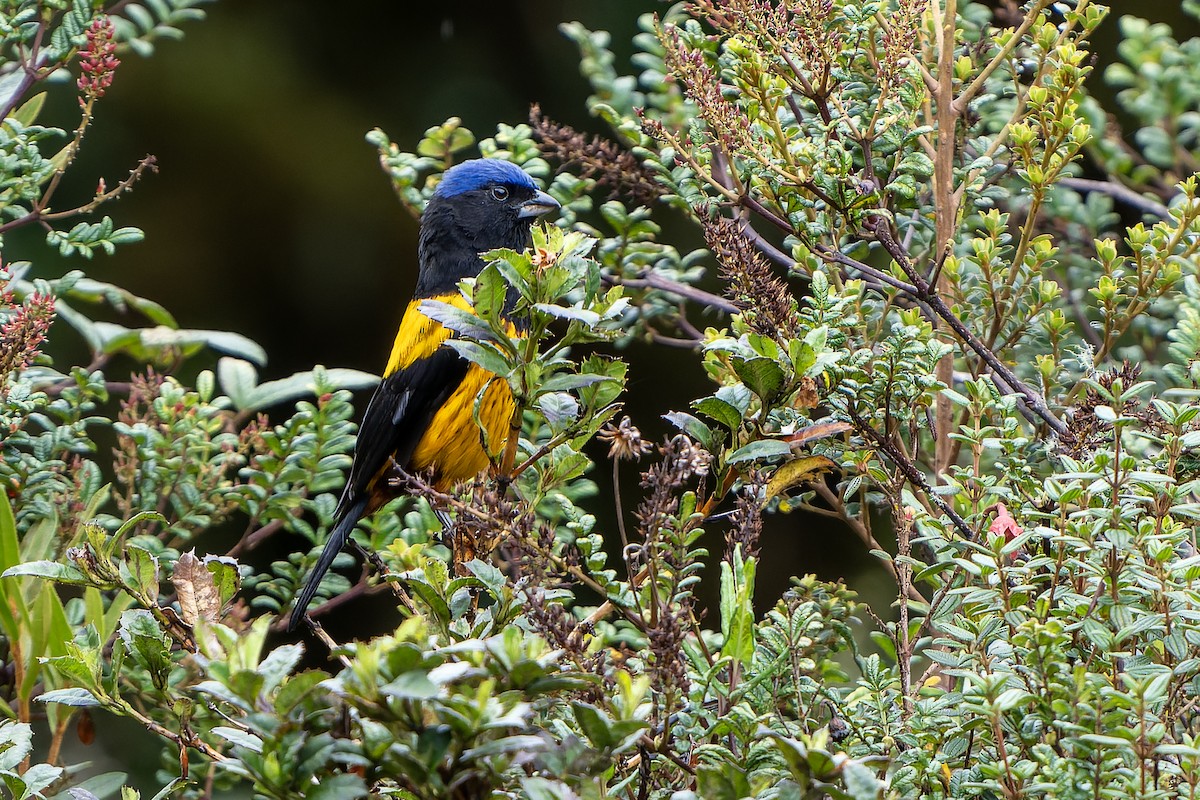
(398, 416)
(395, 420)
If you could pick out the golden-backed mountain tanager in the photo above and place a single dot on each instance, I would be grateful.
(422, 412)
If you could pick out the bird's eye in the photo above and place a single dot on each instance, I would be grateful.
(499, 193)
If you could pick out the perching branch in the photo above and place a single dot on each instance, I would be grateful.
(910, 472)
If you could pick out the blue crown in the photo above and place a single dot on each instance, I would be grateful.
(478, 173)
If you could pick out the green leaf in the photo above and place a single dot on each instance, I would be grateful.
(79, 698)
(491, 291)
(228, 342)
(240, 738)
(106, 784)
(762, 375)
(296, 690)
(61, 573)
(489, 575)
(719, 410)
(761, 449)
(737, 607)
(28, 111)
(37, 778)
(339, 786)
(225, 575)
(861, 782)
(724, 781)
(147, 642)
(140, 572)
(521, 743)
(303, 384)
(457, 320)
(594, 723)
(485, 355)
(692, 427)
(16, 742)
(10, 546)
(601, 393)
(160, 341)
(573, 313)
(559, 408)
(412, 685)
(41, 540)
(737, 395)
(163, 793)
(238, 379)
(565, 464)
(569, 381)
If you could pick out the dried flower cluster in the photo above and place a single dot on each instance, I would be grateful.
(733, 15)
(666, 639)
(746, 528)
(1085, 430)
(767, 304)
(98, 60)
(625, 441)
(154, 429)
(800, 33)
(660, 530)
(899, 39)
(612, 166)
(725, 120)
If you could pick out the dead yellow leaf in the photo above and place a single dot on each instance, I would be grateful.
(796, 472)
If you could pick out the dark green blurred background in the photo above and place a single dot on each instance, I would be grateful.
(271, 217)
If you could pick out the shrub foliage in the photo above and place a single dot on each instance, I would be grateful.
(959, 311)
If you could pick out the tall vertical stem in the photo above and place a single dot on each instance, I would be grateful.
(946, 206)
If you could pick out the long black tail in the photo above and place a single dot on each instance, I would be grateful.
(337, 540)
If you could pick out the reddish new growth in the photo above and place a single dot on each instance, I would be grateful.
(97, 61)
(1004, 524)
(22, 332)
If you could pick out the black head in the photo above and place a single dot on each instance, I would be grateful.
(480, 205)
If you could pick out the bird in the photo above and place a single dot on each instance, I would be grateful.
(421, 415)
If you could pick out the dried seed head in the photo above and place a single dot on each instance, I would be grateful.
(607, 162)
(625, 441)
(767, 304)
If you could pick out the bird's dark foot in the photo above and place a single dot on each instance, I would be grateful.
(447, 535)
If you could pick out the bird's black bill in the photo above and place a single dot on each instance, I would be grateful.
(541, 203)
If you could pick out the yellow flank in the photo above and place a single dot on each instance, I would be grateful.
(453, 443)
(419, 336)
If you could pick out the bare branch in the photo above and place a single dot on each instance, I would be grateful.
(1118, 192)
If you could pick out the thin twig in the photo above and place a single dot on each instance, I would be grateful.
(381, 571)
(857, 526)
(653, 281)
(1118, 192)
(910, 472)
(327, 640)
(30, 71)
(182, 740)
(930, 296)
(39, 214)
